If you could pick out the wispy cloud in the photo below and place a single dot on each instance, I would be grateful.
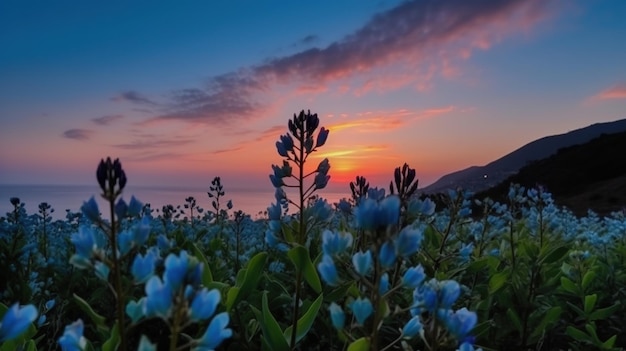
(617, 91)
(377, 121)
(150, 156)
(423, 37)
(224, 151)
(134, 97)
(78, 134)
(153, 144)
(107, 120)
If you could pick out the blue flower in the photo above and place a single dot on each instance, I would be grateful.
(334, 243)
(134, 207)
(328, 271)
(124, 242)
(146, 345)
(372, 215)
(16, 320)
(387, 255)
(425, 207)
(134, 309)
(143, 267)
(362, 262)
(282, 150)
(158, 298)
(215, 333)
(163, 242)
(323, 166)
(121, 208)
(408, 242)
(460, 323)
(141, 231)
(465, 251)
(321, 180)
(102, 271)
(337, 316)
(72, 338)
(176, 269)
(84, 242)
(362, 309)
(414, 276)
(204, 304)
(450, 291)
(412, 327)
(344, 206)
(276, 181)
(274, 212)
(321, 137)
(424, 298)
(467, 346)
(271, 239)
(90, 210)
(50, 304)
(383, 287)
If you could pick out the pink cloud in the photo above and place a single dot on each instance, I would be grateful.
(418, 39)
(617, 91)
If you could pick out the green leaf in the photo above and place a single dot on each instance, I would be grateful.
(31, 346)
(250, 279)
(299, 255)
(588, 278)
(478, 265)
(591, 329)
(514, 318)
(566, 268)
(97, 319)
(550, 317)
(590, 303)
(271, 329)
(554, 255)
(577, 334)
(604, 313)
(112, 343)
(497, 281)
(569, 286)
(362, 344)
(306, 321)
(608, 344)
(207, 276)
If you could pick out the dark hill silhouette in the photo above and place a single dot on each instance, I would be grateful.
(478, 178)
(581, 177)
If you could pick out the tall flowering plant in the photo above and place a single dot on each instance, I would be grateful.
(384, 287)
(295, 147)
(122, 259)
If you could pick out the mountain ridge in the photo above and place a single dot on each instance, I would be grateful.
(479, 178)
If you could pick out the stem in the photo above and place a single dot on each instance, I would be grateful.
(117, 279)
(301, 239)
(176, 327)
(376, 298)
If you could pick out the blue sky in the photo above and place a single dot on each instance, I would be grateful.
(182, 92)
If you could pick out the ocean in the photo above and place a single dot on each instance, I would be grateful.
(62, 197)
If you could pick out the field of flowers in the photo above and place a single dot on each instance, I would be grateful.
(383, 269)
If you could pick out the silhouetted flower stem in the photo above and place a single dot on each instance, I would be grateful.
(112, 180)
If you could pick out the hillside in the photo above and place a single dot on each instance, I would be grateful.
(580, 177)
(479, 178)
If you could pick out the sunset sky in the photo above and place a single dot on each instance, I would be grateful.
(185, 91)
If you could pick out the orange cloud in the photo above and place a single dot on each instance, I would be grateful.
(388, 120)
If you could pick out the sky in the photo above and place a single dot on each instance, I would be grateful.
(185, 91)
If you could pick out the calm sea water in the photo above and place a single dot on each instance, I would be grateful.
(62, 197)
